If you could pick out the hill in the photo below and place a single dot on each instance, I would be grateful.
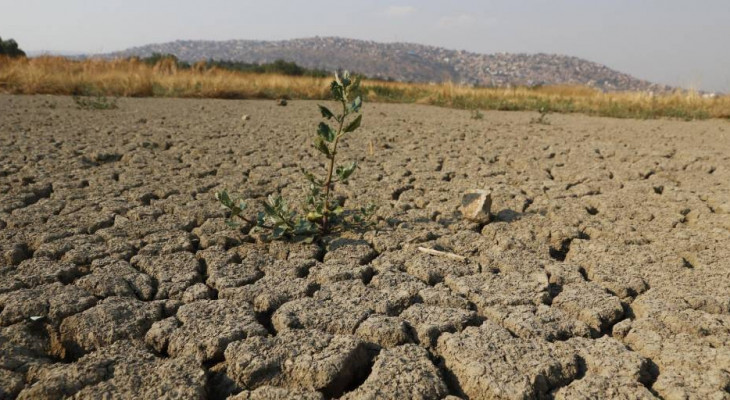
(406, 62)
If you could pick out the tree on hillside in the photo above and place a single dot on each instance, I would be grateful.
(10, 48)
(157, 57)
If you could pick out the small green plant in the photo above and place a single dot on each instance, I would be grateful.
(320, 214)
(476, 114)
(542, 119)
(97, 102)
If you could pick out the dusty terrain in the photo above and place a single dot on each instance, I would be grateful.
(605, 272)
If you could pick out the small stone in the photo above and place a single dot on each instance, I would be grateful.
(245, 117)
(476, 205)
(281, 102)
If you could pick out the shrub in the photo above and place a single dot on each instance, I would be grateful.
(320, 214)
(10, 48)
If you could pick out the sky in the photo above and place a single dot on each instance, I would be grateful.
(678, 42)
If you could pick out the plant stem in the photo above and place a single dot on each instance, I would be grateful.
(250, 222)
(328, 181)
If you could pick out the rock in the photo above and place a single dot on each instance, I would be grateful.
(281, 102)
(202, 330)
(112, 319)
(300, 359)
(476, 205)
(488, 362)
(403, 372)
(121, 370)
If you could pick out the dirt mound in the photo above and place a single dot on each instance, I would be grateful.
(602, 272)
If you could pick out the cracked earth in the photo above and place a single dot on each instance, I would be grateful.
(604, 272)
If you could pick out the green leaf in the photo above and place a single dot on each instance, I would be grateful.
(344, 171)
(326, 113)
(231, 224)
(369, 209)
(325, 132)
(314, 216)
(355, 105)
(337, 91)
(321, 146)
(356, 83)
(223, 197)
(354, 124)
(278, 233)
(269, 210)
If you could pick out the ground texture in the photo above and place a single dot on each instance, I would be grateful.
(604, 273)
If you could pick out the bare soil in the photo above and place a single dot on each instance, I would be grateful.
(604, 272)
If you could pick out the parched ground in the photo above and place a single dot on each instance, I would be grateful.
(605, 272)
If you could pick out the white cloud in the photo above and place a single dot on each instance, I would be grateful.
(399, 11)
(457, 21)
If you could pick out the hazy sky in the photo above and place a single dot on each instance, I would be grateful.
(679, 42)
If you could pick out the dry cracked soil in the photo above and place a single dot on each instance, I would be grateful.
(604, 272)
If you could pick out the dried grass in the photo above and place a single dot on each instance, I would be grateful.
(133, 78)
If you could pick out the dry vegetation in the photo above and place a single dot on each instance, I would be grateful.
(55, 75)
